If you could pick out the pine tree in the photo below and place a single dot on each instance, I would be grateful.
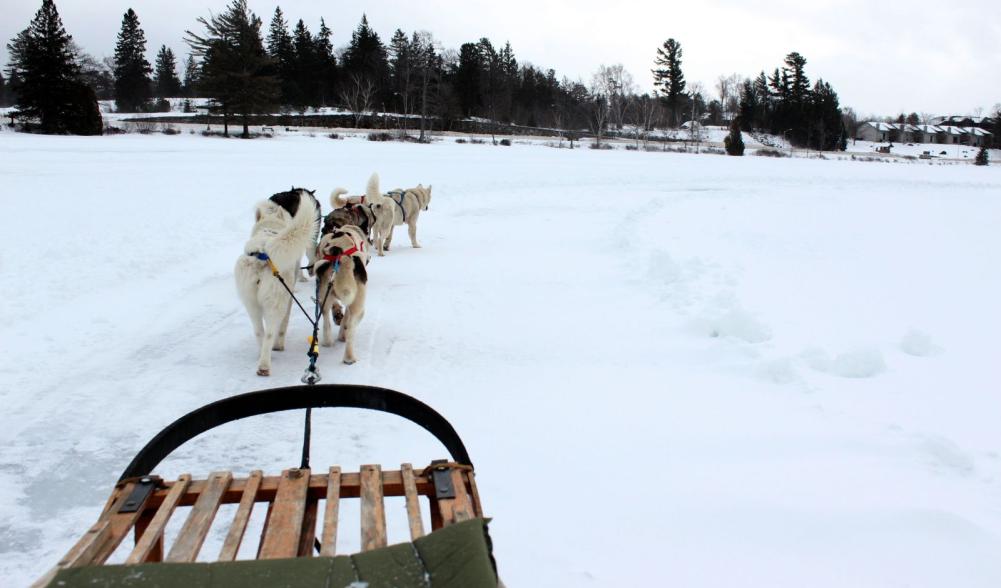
(236, 70)
(798, 84)
(133, 86)
(734, 143)
(366, 59)
(44, 76)
(467, 79)
(3, 91)
(190, 77)
(670, 79)
(165, 76)
(982, 157)
(749, 106)
(282, 56)
(304, 68)
(401, 68)
(326, 63)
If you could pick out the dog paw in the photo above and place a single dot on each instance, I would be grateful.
(278, 347)
(417, 245)
(263, 372)
(327, 343)
(349, 360)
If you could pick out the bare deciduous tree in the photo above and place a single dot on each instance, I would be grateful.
(599, 110)
(358, 96)
(728, 88)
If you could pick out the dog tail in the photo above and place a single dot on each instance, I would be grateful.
(288, 246)
(335, 198)
(372, 193)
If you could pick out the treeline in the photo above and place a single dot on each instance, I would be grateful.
(246, 68)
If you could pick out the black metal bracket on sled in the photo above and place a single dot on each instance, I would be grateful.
(250, 404)
(441, 478)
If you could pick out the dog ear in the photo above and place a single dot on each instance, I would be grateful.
(257, 215)
(311, 192)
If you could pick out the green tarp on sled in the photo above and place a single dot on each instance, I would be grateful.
(457, 556)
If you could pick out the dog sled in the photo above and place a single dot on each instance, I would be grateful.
(297, 545)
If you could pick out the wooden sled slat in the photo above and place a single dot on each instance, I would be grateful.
(328, 541)
(231, 546)
(196, 527)
(413, 504)
(281, 537)
(373, 511)
(308, 534)
(152, 536)
(81, 554)
(476, 494)
(119, 525)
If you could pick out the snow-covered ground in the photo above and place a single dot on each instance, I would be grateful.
(669, 369)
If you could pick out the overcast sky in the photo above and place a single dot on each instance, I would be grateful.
(881, 57)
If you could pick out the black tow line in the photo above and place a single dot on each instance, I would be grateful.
(312, 375)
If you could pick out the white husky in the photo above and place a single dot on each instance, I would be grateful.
(395, 208)
(286, 226)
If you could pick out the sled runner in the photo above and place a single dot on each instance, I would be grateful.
(297, 546)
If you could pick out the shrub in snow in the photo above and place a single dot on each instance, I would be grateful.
(460, 140)
(734, 143)
(382, 136)
(772, 153)
(505, 142)
(982, 157)
(334, 136)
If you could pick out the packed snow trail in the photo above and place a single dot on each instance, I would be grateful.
(740, 371)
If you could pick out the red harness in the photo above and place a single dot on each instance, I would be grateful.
(336, 259)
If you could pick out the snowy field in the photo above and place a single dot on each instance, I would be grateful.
(669, 369)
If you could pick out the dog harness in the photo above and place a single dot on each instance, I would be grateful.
(336, 259)
(402, 195)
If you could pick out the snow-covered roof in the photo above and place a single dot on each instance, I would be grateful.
(881, 126)
(927, 128)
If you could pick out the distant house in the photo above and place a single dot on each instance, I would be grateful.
(924, 133)
(881, 132)
(979, 137)
(964, 122)
(950, 135)
(877, 132)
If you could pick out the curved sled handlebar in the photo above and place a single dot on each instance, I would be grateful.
(291, 398)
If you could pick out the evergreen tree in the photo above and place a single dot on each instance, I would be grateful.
(670, 79)
(366, 59)
(165, 76)
(401, 69)
(44, 76)
(236, 70)
(827, 131)
(305, 68)
(133, 87)
(3, 91)
(761, 90)
(982, 157)
(734, 142)
(190, 77)
(326, 63)
(282, 55)
(997, 126)
(467, 79)
(798, 85)
(749, 107)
